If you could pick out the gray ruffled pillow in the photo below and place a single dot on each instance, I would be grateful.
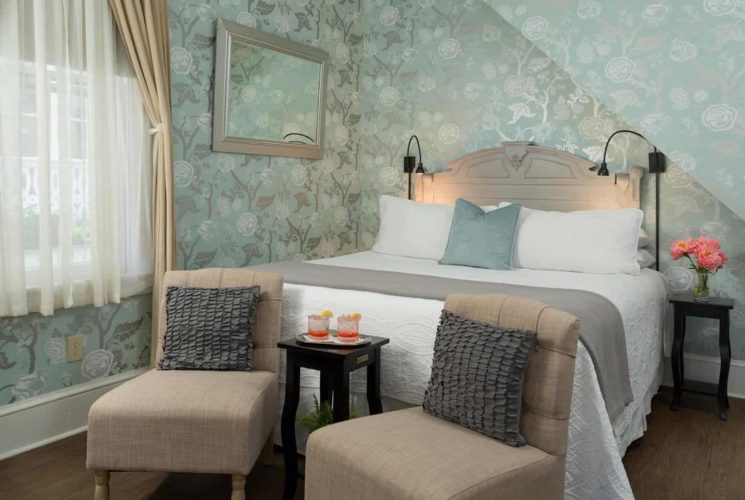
(209, 328)
(477, 376)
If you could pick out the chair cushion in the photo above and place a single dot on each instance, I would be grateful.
(477, 376)
(184, 421)
(209, 328)
(410, 454)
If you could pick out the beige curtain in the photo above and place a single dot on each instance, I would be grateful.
(143, 25)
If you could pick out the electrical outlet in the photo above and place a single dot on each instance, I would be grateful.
(74, 348)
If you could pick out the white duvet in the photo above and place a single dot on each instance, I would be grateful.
(596, 445)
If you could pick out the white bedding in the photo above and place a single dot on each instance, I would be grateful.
(596, 445)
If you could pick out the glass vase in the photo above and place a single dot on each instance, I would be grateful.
(701, 288)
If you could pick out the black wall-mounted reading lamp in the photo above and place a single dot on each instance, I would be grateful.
(656, 166)
(410, 164)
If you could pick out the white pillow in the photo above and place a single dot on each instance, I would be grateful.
(411, 229)
(586, 241)
(643, 238)
(644, 258)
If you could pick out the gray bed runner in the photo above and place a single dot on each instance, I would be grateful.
(601, 326)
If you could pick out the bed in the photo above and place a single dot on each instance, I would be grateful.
(539, 178)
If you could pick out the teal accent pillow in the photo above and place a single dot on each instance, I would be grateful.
(481, 239)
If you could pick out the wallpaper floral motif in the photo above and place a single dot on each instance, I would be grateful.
(463, 78)
(674, 70)
(116, 338)
(231, 209)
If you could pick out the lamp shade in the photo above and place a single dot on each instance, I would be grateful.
(409, 164)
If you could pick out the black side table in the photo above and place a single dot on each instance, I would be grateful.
(715, 308)
(335, 365)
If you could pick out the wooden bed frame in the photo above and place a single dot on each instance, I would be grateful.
(533, 176)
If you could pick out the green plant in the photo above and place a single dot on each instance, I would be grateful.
(321, 416)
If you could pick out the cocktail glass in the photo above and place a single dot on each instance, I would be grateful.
(318, 327)
(348, 328)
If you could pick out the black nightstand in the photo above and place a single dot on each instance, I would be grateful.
(715, 308)
(335, 365)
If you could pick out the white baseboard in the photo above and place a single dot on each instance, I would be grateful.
(706, 369)
(48, 418)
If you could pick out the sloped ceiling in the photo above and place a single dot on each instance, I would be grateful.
(673, 70)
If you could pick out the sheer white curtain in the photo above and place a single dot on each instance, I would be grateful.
(75, 170)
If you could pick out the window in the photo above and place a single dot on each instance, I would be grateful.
(74, 144)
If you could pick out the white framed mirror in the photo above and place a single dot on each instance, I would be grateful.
(269, 94)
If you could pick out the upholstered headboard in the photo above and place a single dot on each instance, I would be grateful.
(533, 176)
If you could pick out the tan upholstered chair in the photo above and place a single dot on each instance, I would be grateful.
(194, 421)
(410, 454)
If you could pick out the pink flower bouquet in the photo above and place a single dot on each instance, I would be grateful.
(705, 256)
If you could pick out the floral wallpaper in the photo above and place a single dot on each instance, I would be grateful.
(234, 210)
(672, 69)
(462, 78)
(116, 338)
(271, 94)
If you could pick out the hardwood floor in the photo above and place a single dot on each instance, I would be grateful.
(57, 471)
(688, 454)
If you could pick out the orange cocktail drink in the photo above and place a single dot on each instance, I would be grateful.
(318, 327)
(348, 328)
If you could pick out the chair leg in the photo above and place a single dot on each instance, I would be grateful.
(102, 485)
(266, 457)
(239, 487)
